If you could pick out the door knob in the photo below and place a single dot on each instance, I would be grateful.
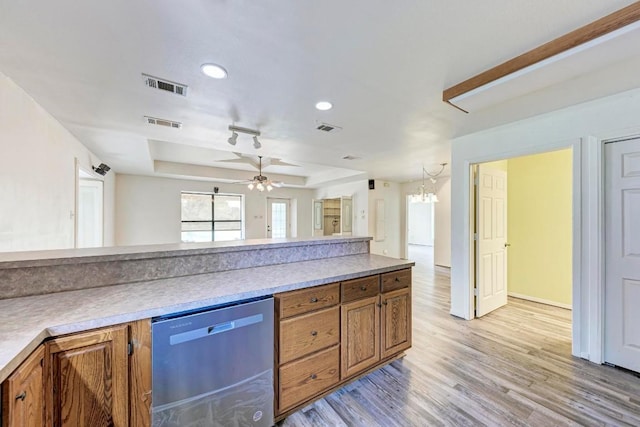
(506, 245)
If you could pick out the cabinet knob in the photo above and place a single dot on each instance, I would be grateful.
(385, 303)
(363, 288)
(314, 376)
(314, 299)
(314, 333)
(397, 279)
(21, 396)
(379, 305)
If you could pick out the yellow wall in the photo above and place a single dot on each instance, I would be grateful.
(539, 226)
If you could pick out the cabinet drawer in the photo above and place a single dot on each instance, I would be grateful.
(307, 377)
(360, 288)
(306, 300)
(309, 333)
(396, 280)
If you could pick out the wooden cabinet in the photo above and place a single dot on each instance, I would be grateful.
(88, 379)
(329, 335)
(23, 393)
(360, 335)
(95, 378)
(395, 334)
(308, 339)
(100, 378)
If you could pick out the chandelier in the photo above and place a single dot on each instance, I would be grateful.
(424, 194)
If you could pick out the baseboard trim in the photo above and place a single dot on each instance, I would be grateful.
(540, 300)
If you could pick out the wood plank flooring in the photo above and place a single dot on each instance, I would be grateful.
(511, 367)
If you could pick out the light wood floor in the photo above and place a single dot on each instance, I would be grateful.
(511, 367)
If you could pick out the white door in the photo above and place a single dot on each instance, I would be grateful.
(346, 215)
(90, 215)
(622, 259)
(318, 217)
(491, 243)
(278, 221)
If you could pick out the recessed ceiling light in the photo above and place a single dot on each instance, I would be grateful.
(324, 105)
(214, 71)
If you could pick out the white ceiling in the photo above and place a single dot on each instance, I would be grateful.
(382, 64)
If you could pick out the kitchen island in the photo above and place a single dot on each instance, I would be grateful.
(68, 292)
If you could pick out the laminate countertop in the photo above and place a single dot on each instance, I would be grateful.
(25, 322)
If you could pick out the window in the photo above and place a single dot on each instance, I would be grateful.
(211, 217)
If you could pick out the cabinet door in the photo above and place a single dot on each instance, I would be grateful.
(318, 217)
(346, 214)
(360, 328)
(396, 322)
(22, 394)
(87, 379)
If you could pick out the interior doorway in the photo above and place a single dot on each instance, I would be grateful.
(522, 237)
(90, 211)
(420, 229)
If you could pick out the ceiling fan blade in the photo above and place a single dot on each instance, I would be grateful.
(277, 184)
(279, 162)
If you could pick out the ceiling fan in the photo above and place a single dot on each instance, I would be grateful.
(261, 182)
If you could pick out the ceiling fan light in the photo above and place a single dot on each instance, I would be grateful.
(260, 187)
(250, 186)
(269, 187)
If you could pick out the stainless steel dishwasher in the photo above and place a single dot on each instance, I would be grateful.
(214, 368)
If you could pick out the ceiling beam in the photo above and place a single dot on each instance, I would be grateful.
(598, 28)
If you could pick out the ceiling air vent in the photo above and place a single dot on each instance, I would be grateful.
(165, 85)
(162, 122)
(326, 127)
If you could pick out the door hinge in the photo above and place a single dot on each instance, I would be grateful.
(476, 181)
(475, 236)
(475, 291)
(129, 348)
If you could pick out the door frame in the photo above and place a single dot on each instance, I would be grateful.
(585, 309)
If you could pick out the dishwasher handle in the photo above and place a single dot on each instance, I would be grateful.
(221, 327)
(218, 328)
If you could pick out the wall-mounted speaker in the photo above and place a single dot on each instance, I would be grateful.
(372, 184)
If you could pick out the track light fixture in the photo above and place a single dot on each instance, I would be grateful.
(235, 130)
(233, 139)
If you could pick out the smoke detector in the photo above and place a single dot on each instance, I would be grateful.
(164, 85)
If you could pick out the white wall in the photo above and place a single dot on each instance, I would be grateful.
(582, 127)
(442, 224)
(148, 208)
(358, 190)
(38, 176)
(420, 224)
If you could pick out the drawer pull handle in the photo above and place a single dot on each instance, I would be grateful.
(363, 288)
(314, 299)
(314, 333)
(397, 279)
(314, 376)
(21, 396)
